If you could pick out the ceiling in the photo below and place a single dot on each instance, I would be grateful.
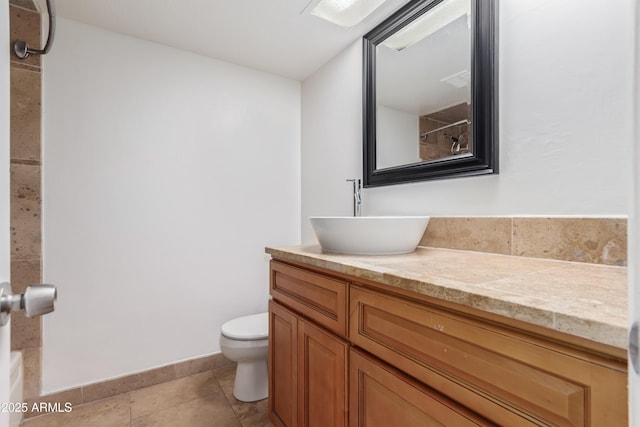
(276, 36)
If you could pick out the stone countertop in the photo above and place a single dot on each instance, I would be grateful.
(585, 300)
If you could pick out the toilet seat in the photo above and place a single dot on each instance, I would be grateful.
(247, 328)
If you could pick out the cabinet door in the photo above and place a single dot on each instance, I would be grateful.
(322, 377)
(283, 362)
(382, 396)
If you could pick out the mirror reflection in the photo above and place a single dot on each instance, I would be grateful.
(430, 93)
(423, 88)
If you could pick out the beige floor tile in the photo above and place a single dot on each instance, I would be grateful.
(211, 410)
(225, 377)
(204, 399)
(111, 412)
(250, 414)
(72, 396)
(162, 396)
(254, 414)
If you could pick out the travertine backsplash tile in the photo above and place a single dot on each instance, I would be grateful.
(25, 331)
(25, 212)
(24, 273)
(481, 234)
(25, 114)
(25, 202)
(31, 364)
(25, 25)
(26, 4)
(593, 240)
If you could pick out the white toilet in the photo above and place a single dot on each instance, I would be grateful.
(245, 340)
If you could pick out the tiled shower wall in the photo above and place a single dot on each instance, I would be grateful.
(439, 144)
(26, 227)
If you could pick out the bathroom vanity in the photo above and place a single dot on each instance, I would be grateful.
(445, 337)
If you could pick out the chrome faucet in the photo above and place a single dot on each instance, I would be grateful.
(357, 197)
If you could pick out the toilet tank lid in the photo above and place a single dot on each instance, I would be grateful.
(252, 327)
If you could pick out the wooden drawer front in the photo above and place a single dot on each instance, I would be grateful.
(315, 296)
(486, 371)
(382, 396)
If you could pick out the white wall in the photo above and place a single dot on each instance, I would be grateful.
(396, 136)
(565, 123)
(165, 175)
(331, 133)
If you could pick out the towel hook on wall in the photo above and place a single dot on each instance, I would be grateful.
(21, 48)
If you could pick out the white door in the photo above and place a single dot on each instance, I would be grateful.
(37, 299)
(634, 279)
(634, 240)
(4, 199)
(634, 316)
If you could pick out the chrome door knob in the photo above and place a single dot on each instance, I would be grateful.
(35, 301)
(39, 299)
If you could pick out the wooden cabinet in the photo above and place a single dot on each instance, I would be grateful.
(403, 360)
(282, 361)
(508, 377)
(307, 372)
(307, 362)
(318, 297)
(382, 396)
(322, 377)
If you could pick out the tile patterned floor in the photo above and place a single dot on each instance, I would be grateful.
(200, 400)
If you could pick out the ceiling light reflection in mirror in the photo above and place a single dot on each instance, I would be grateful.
(346, 13)
(445, 13)
(423, 84)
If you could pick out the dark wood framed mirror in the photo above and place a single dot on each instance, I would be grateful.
(430, 93)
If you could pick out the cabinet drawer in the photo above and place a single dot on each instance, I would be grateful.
(315, 296)
(499, 375)
(382, 396)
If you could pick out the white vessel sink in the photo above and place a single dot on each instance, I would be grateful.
(369, 235)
